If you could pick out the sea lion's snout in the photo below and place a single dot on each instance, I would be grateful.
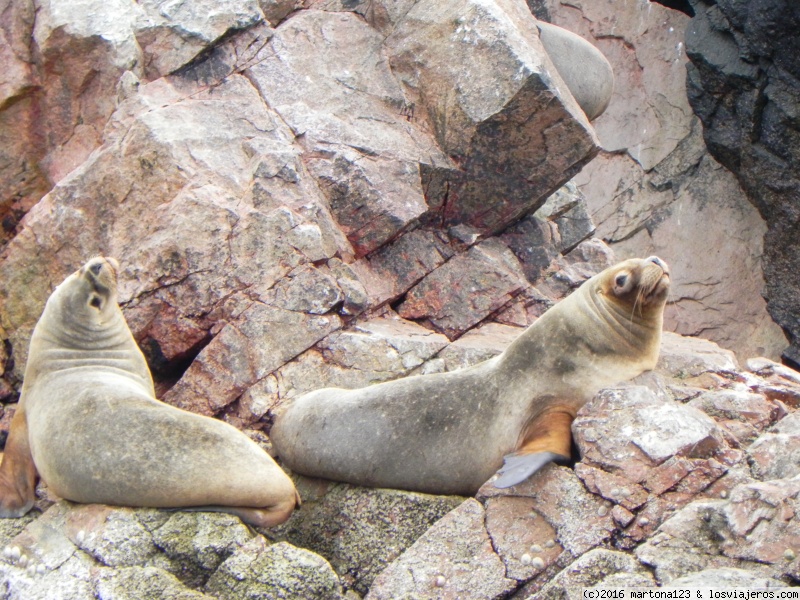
(655, 280)
(662, 264)
(98, 264)
(101, 274)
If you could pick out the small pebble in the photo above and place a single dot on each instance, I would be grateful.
(439, 581)
(22, 562)
(81, 536)
(537, 563)
(644, 521)
(31, 570)
(549, 543)
(15, 553)
(41, 569)
(624, 493)
(614, 493)
(723, 494)
(602, 511)
(789, 554)
(526, 559)
(536, 548)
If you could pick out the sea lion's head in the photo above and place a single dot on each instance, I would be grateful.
(639, 285)
(89, 295)
(83, 321)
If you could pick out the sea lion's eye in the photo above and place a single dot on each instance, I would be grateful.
(96, 302)
(620, 280)
(95, 268)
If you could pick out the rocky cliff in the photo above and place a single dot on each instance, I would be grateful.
(305, 194)
(654, 187)
(743, 84)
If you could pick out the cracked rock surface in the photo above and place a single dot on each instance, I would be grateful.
(328, 193)
(640, 508)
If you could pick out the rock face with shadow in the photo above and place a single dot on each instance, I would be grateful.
(267, 178)
(743, 84)
(654, 188)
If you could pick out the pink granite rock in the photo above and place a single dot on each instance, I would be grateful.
(522, 538)
(629, 431)
(466, 289)
(612, 487)
(581, 520)
(261, 340)
(443, 54)
(776, 453)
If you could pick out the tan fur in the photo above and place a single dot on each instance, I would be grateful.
(447, 433)
(89, 422)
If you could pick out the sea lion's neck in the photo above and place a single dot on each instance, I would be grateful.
(59, 345)
(624, 326)
(583, 342)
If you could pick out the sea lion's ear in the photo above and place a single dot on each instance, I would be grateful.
(545, 439)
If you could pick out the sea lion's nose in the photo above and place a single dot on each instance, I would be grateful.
(657, 261)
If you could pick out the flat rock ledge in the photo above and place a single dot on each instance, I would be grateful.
(691, 472)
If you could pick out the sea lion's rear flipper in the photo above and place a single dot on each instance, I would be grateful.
(266, 517)
(17, 471)
(545, 439)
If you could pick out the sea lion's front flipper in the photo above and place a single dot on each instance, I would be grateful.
(545, 439)
(17, 472)
(518, 467)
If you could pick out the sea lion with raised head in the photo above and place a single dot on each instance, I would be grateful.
(447, 433)
(89, 423)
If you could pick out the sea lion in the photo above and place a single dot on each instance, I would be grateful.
(89, 423)
(584, 69)
(447, 433)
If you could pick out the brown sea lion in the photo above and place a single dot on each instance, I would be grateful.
(89, 423)
(448, 433)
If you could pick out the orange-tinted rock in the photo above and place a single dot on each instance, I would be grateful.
(466, 289)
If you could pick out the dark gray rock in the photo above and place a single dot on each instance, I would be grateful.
(276, 571)
(744, 84)
(360, 531)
